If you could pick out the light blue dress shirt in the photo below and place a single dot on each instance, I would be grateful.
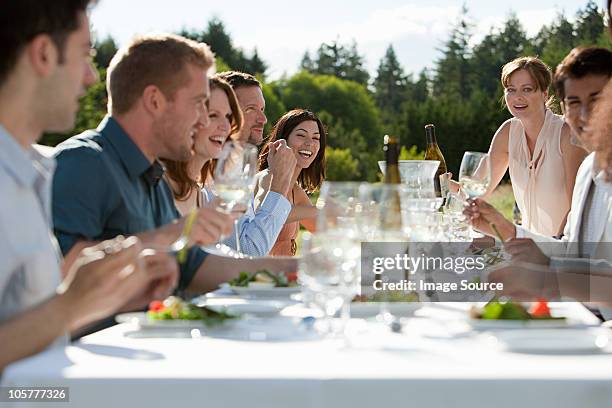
(29, 254)
(259, 229)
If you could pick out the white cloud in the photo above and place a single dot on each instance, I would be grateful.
(285, 46)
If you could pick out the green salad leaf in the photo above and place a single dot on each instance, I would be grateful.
(177, 309)
(262, 275)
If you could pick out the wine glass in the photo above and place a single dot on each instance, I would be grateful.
(453, 210)
(340, 223)
(322, 273)
(382, 217)
(475, 174)
(384, 221)
(234, 180)
(474, 177)
(339, 208)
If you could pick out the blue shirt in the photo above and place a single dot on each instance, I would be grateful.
(105, 186)
(258, 230)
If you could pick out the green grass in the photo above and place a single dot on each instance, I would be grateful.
(503, 200)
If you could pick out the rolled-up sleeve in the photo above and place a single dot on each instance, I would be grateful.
(259, 229)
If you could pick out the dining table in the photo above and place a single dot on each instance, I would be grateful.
(436, 359)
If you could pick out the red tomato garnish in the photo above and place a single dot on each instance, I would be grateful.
(540, 309)
(156, 306)
(292, 276)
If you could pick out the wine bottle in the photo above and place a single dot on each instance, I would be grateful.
(433, 152)
(392, 149)
(391, 209)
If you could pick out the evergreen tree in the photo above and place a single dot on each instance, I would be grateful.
(220, 42)
(337, 60)
(560, 41)
(105, 50)
(589, 24)
(257, 65)
(496, 49)
(420, 89)
(452, 70)
(390, 84)
(307, 64)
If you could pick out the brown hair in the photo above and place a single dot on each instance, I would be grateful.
(311, 178)
(580, 62)
(177, 171)
(159, 60)
(239, 79)
(537, 69)
(21, 21)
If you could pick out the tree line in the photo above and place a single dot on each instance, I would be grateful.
(460, 93)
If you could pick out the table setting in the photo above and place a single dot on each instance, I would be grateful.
(325, 336)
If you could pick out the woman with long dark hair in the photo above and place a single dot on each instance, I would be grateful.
(306, 135)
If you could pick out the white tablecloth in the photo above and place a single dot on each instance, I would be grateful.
(434, 363)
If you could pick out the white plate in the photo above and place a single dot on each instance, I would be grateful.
(280, 328)
(224, 250)
(239, 306)
(265, 292)
(490, 324)
(555, 340)
(141, 320)
(364, 310)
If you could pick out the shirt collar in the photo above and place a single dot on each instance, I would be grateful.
(154, 173)
(26, 166)
(130, 155)
(597, 175)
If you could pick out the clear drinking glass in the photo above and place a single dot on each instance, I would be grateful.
(453, 210)
(474, 177)
(384, 220)
(475, 174)
(340, 226)
(321, 275)
(234, 180)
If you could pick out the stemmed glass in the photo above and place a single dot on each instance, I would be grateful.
(384, 220)
(475, 176)
(453, 210)
(340, 223)
(234, 181)
(321, 274)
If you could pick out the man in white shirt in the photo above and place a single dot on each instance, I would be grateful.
(45, 67)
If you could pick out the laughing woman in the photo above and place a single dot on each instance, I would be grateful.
(187, 179)
(535, 146)
(305, 134)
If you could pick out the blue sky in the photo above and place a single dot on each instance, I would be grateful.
(283, 30)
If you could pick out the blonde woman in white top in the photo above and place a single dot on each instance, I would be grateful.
(535, 146)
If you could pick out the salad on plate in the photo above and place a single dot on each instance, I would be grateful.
(174, 312)
(507, 314)
(263, 278)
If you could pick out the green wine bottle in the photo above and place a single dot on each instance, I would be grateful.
(392, 149)
(391, 217)
(433, 152)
